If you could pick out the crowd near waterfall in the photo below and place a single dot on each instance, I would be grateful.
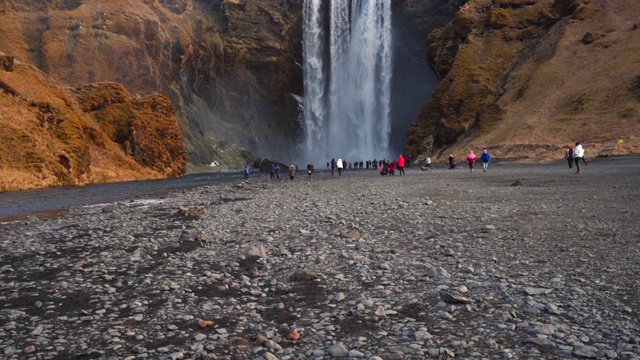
(347, 78)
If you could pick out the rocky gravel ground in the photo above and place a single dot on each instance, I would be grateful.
(434, 264)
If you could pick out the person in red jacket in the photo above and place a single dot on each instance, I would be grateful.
(392, 168)
(401, 164)
(471, 159)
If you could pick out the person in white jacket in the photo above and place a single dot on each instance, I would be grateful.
(578, 154)
(340, 166)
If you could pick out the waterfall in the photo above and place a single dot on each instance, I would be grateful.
(347, 79)
(314, 77)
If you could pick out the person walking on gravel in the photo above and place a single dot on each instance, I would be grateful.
(272, 171)
(339, 165)
(471, 159)
(568, 154)
(309, 171)
(485, 159)
(578, 155)
(277, 171)
(427, 163)
(246, 172)
(452, 162)
(292, 172)
(400, 165)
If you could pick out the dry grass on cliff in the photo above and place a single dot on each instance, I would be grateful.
(46, 139)
(580, 81)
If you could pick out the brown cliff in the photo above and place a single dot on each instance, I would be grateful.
(53, 135)
(227, 66)
(528, 77)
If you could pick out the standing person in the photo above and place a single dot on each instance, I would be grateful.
(273, 172)
(568, 154)
(277, 171)
(392, 168)
(292, 172)
(452, 162)
(309, 170)
(578, 154)
(471, 159)
(327, 165)
(485, 159)
(246, 172)
(409, 158)
(401, 164)
(428, 162)
(339, 165)
(333, 166)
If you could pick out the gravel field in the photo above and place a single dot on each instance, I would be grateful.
(433, 264)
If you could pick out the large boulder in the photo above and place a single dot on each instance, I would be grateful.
(264, 165)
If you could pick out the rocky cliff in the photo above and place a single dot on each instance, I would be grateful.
(51, 134)
(528, 77)
(229, 67)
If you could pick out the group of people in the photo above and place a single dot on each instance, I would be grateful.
(355, 165)
(485, 159)
(275, 171)
(574, 155)
(389, 167)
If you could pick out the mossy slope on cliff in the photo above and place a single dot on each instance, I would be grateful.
(528, 77)
(49, 133)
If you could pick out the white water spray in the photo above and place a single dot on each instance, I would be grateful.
(347, 79)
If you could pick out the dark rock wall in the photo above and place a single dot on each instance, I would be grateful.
(227, 66)
(413, 78)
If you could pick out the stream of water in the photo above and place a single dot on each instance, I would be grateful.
(347, 78)
(16, 204)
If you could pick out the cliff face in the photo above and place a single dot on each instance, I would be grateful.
(227, 66)
(51, 134)
(413, 81)
(528, 77)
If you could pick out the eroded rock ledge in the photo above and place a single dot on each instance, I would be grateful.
(53, 135)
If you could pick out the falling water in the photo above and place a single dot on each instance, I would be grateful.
(347, 78)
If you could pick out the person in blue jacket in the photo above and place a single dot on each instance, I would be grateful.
(246, 172)
(485, 159)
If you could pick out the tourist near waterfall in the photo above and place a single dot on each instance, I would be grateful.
(471, 159)
(578, 155)
(401, 164)
(485, 159)
(292, 172)
(309, 171)
(568, 155)
(452, 162)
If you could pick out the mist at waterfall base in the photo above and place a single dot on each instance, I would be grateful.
(364, 80)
